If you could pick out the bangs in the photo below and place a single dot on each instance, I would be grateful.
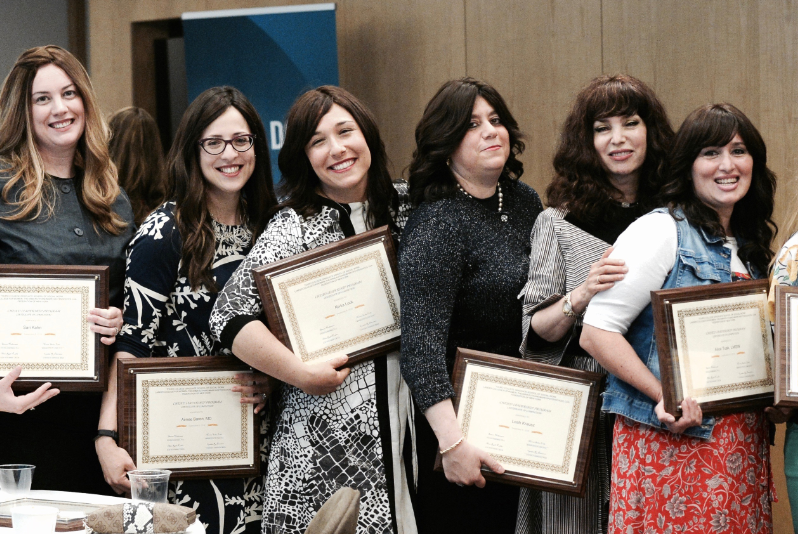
(614, 99)
(716, 128)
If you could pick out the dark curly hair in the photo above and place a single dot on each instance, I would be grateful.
(441, 130)
(752, 219)
(187, 183)
(300, 183)
(580, 183)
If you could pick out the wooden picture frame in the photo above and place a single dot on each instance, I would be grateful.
(585, 388)
(335, 265)
(129, 421)
(785, 333)
(88, 288)
(745, 300)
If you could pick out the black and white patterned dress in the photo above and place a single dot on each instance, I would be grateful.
(165, 317)
(325, 442)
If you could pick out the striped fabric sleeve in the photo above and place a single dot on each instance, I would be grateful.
(545, 286)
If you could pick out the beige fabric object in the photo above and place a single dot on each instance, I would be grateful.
(166, 518)
(338, 515)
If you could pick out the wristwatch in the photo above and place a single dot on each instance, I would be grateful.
(568, 309)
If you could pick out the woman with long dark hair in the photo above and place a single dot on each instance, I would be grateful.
(334, 427)
(135, 148)
(608, 172)
(464, 258)
(60, 204)
(183, 254)
(694, 473)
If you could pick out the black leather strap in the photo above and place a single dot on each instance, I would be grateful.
(110, 433)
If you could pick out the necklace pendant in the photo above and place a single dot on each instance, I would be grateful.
(504, 217)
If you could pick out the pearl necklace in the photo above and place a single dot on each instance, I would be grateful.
(498, 187)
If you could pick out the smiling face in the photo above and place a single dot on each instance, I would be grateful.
(621, 145)
(340, 156)
(226, 173)
(722, 176)
(484, 150)
(56, 113)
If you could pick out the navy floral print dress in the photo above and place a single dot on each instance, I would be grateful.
(164, 316)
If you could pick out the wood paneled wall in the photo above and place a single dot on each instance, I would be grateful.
(538, 53)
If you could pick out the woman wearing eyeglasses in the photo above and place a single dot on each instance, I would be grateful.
(182, 255)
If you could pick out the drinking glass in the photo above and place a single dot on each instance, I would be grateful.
(149, 485)
(34, 519)
(15, 479)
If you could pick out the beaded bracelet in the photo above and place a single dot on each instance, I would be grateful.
(456, 443)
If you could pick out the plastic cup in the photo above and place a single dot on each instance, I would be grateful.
(149, 485)
(15, 479)
(33, 519)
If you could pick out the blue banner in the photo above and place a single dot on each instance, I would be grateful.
(271, 54)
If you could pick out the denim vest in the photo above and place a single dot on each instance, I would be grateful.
(701, 259)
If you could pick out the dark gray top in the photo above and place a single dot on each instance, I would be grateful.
(67, 237)
(67, 422)
(461, 267)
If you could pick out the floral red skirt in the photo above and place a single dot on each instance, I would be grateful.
(667, 483)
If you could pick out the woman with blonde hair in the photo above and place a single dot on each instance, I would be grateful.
(60, 204)
(136, 150)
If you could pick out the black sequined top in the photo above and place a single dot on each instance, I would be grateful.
(461, 267)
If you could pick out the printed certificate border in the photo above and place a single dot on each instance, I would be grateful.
(741, 387)
(582, 443)
(786, 335)
(279, 318)
(128, 418)
(295, 330)
(94, 354)
(564, 467)
(164, 459)
(665, 329)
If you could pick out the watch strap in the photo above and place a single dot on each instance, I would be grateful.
(107, 433)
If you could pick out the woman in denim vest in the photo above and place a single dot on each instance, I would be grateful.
(694, 473)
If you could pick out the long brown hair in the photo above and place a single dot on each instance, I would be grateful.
(752, 219)
(135, 148)
(99, 188)
(299, 181)
(188, 183)
(441, 130)
(580, 182)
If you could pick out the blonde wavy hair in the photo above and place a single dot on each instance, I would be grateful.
(19, 153)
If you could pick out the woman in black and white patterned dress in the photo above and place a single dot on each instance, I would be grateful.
(334, 428)
(183, 253)
(608, 173)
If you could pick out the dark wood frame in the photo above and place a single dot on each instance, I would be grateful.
(274, 315)
(586, 440)
(128, 367)
(66, 272)
(783, 320)
(661, 302)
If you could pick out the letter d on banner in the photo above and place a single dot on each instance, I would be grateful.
(276, 134)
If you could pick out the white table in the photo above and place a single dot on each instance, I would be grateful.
(44, 495)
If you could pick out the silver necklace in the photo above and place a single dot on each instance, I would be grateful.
(498, 187)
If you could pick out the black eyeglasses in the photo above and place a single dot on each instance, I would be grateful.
(215, 145)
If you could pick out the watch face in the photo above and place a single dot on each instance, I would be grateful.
(567, 309)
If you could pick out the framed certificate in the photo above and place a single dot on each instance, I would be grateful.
(43, 326)
(537, 420)
(341, 298)
(715, 345)
(786, 333)
(181, 414)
